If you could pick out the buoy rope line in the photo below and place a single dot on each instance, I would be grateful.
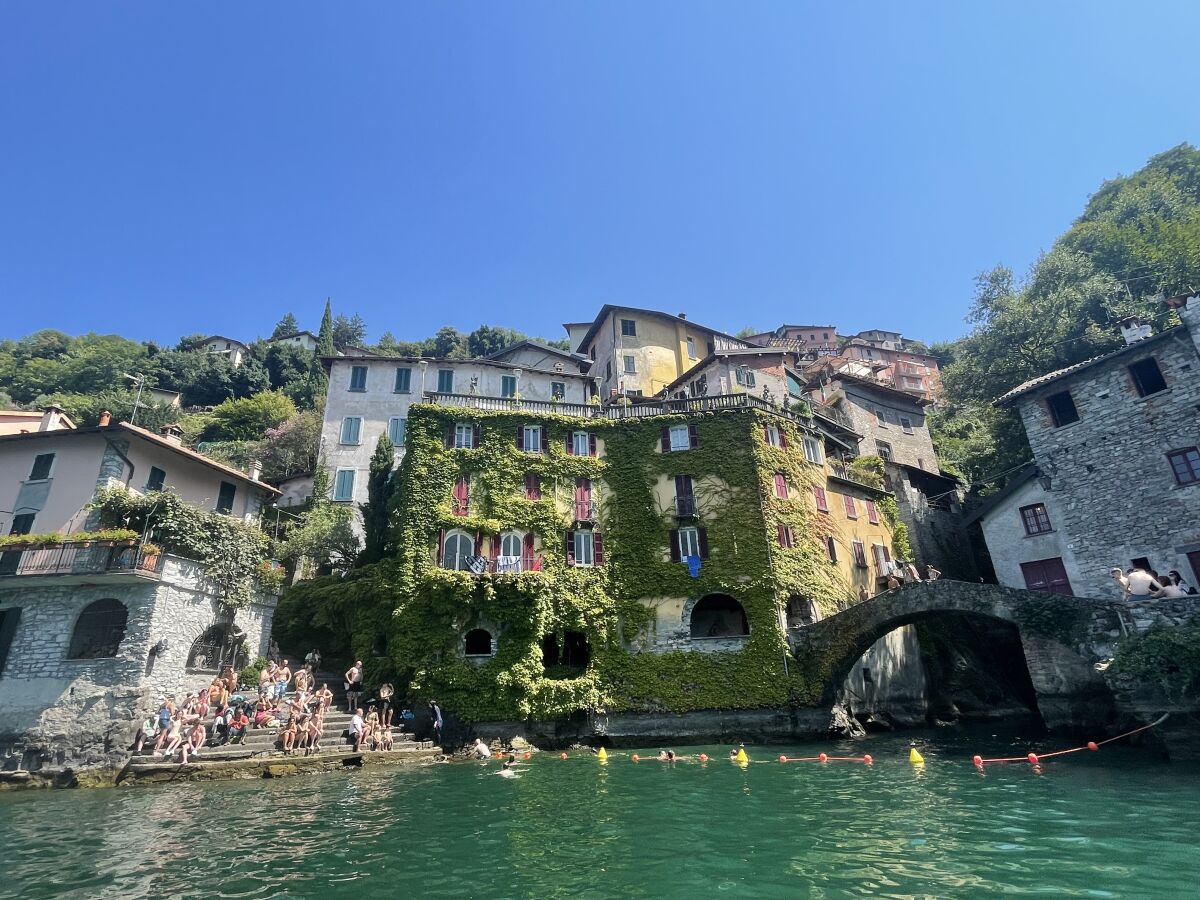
(1036, 758)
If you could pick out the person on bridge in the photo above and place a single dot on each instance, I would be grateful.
(1140, 584)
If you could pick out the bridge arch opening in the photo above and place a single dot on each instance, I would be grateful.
(718, 616)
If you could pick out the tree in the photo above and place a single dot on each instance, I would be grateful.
(389, 346)
(350, 332)
(381, 485)
(746, 332)
(318, 381)
(285, 326)
(450, 343)
(487, 339)
(249, 418)
(324, 534)
(291, 447)
(286, 364)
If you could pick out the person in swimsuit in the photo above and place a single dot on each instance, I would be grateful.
(282, 678)
(385, 704)
(287, 737)
(354, 685)
(323, 697)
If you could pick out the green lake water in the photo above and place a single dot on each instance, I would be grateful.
(1118, 823)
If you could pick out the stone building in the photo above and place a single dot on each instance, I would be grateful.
(1116, 449)
(90, 646)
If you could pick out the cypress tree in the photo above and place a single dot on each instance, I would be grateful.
(380, 487)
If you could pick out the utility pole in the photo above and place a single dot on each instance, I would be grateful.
(140, 381)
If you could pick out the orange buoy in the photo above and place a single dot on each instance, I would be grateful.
(782, 758)
(867, 759)
(1033, 760)
(823, 757)
(1092, 745)
(978, 760)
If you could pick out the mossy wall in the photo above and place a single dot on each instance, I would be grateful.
(423, 610)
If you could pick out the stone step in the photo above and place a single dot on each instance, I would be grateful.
(210, 755)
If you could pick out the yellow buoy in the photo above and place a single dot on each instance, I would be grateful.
(741, 755)
(915, 758)
(602, 755)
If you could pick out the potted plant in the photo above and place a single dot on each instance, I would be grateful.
(150, 554)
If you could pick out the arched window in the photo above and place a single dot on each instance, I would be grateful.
(459, 546)
(719, 616)
(512, 543)
(99, 630)
(217, 647)
(477, 642)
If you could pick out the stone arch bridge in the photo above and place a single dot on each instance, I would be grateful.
(1062, 639)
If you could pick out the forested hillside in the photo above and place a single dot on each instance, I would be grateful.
(1137, 240)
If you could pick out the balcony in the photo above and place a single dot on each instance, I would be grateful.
(585, 510)
(843, 472)
(501, 565)
(74, 563)
(685, 506)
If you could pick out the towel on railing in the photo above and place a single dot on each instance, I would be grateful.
(508, 564)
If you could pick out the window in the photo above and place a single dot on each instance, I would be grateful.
(822, 501)
(156, 480)
(352, 430)
(582, 444)
(781, 488)
(787, 539)
(1035, 519)
(225, 497)
(831, 548)
(859, 552)
(883, 450)
(464, 435)
(460, 496)
(880, 419)
(508, 385)
(99, 630)
(848, 505)
(630, 368)
(680, 437)
(689, 542)
(608, 370)
(585, 548)
(558, 390)
(872, 513)
(396, 428)
(403, 380)
(906, 424)
(883, 559)
(1147, 377)
(585, 508)
(691, 345)
(530, 438)
(824, 335)
(1062, 409)
(743, 376)
(533, 486)
(343, 485)
(358, 378)
(457, 550)
(22, 524)
(8, 627)
(685, 496)
(629, 327)
(512, 543)
(445, 381)
(1186, 465)
(42, 464)
(812, 450)
(773, 436)
(477, 642)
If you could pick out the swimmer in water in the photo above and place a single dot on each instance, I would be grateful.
(506, 770)
(733, 754)
(667, 755)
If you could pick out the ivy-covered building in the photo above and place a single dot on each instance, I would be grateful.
(552, 559)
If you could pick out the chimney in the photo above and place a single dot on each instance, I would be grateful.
(683, 315)
(173, 433)
(51, 419)
(1133, 329)
(255, 470)
(105, 418)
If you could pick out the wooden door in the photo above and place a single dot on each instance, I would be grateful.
(1049, 575)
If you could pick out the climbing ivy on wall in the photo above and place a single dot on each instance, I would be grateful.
(421, 611)
(870, 470)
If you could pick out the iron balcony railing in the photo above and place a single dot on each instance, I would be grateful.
(78, 559)
(501, 565)
(638, 410)
(844, 472)
(685, 506)
(585, 510)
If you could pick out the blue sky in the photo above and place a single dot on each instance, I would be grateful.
(168, 168)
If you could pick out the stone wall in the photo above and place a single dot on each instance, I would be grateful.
(1121, 500)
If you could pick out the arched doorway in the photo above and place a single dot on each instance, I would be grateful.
(718, 616)
(217, 647)
(99, 630)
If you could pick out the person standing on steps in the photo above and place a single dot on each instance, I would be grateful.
(313, 659)
(435, 716)
(385, 704)
(354, 677)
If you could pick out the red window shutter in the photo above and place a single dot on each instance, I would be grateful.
(872, 516)
(478, 544)
(497, 545)
(528, 546)
(703, 532)
(848, 504)
(441, 545)
(520, 437)
(475, 434)
(767, 433)
(570, 443)
(570, 544)
(782, 438)
(693, 436)
(675, 554)
(666, 440)
(583, 489)
(780, 486)
(449, 436)
(592, 445)
(822, 502)
(598, 547)
(831, 548)
(782, 529)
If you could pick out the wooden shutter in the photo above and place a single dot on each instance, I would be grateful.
(478, 544)
(543, 438)
(872, 516)
(450, 435)
(475, 435)
(533, 486)
(528, 546)
(441, 545)
(683, 486)
(822, 502)
(462, 495)
(597, 548)
(693, 436)
(767, 434)
(666, 440)
(780, 486)
(676, 555)
(570, 548)
(703, 532)
(583, 490)
(782, 438)
(497, 545)
(781, 533)
(570, 443)
(591, 445)
(520, 437)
